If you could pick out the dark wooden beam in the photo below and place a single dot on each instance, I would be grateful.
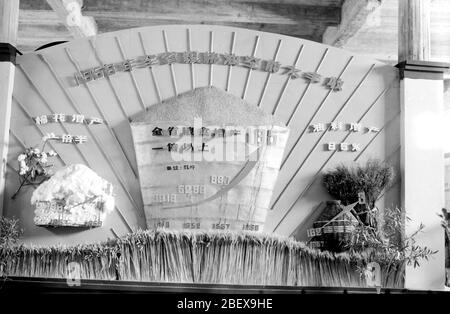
(69, 11)
(207, 10)
(379, 36)
(295, 18)
(354, 15)
(298, 22)
(136, 5)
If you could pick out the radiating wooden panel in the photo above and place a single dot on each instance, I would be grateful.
(44, 84)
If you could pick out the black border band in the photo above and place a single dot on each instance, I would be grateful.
(422, 69)
(8, 53)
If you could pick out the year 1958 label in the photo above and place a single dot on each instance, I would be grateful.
(250, 227)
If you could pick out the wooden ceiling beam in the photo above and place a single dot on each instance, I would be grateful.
(69, 11)
(214, 10)
(246, 11)
(304, 21)
(137, 5)
(308, 20)
(353, 16)
(378, 38)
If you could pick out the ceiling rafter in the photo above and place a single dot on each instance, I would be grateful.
(69, 11)
(307, 19)
(354, 15)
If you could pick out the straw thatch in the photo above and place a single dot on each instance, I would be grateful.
(199, 257)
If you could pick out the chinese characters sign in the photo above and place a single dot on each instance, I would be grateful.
(66, 118)
(217, 175)
(334, 126)
(194, 57)
(202, 139)
(61, 117)
(66, 138)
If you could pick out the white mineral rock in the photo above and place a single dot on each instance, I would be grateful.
(76, 185)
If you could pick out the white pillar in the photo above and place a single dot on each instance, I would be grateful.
(9, 19)
(422, 158)
(422, 166)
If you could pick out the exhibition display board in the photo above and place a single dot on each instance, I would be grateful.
(96, 100)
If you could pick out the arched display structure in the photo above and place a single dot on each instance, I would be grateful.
(314, 86)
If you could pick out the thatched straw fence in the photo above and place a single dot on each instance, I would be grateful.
(196, 257)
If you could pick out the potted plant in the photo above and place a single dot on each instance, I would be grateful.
(388, 245)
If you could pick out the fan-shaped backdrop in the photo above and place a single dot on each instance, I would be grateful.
(44, 84)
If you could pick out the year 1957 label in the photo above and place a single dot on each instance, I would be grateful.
(221, 226)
